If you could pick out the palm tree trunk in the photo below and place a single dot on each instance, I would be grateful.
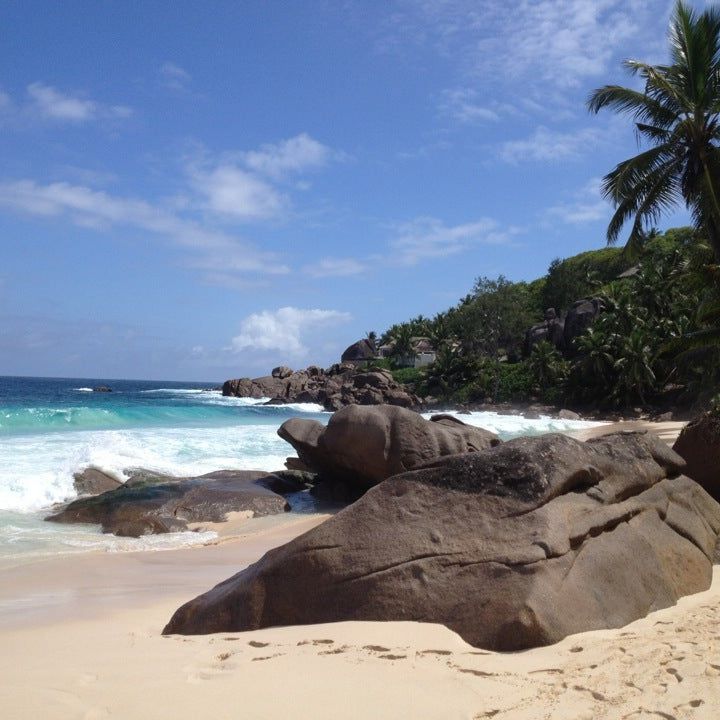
(712, 223)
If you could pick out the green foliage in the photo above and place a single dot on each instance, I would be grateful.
(514, 382)
(408, 375)
(659, 328)
(581, 276)
(493, 318)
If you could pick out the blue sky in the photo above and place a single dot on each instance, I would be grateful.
(205, 190)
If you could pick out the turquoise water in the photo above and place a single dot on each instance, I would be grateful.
(51, 428)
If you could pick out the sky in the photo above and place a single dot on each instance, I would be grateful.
(199, 191)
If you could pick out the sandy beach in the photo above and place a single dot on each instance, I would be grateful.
(81, 638)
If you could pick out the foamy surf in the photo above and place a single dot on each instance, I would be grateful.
(47, 433)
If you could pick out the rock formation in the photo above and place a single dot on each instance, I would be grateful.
(551, 329)
(334, 388)
(562, 331)
(699, 444)
(579, 317)
(513, 547)
(359, 352)
(149, 503)
(365, 445)
(92, 481)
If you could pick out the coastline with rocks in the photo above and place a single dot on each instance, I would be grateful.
(114, 633)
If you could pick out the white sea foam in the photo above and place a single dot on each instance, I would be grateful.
(26, 536)
(507, 426)
(176, 391)
(36, 470)
(83, 389)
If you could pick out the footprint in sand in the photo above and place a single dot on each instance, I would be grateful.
(322, 641)
(257, 644)
(335, 651)
(435, 652)
(376, 648)
(266, 657)
(692, 705)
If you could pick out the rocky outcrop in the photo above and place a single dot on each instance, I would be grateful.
(148, 504)
(92, 481)
(334, 388)
(282, 372)
(551, 330)
(359, 352)
(699, 444)
(562, 331)
(365, 445)
(579, 317)
(513, 547)
(102, 388)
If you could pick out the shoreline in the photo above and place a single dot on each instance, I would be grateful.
(84, 634)
(81, 633)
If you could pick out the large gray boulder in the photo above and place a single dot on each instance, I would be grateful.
(364, 445)
(699, 444)
(579, 318)
(514, 547)
(151, 504)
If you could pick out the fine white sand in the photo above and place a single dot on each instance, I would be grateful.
(80, 638)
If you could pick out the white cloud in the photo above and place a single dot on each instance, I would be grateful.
(426, 237)
(283, 329)
(174, 77)
(586, 206)
(96, 209)
(335, 267)
(230, 190)
(545, 144)
(561, 42)
(466, 106)
(293, 155)
(50, 103)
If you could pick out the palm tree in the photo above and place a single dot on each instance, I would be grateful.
(403, 350)
(635, 374)
(677, 113)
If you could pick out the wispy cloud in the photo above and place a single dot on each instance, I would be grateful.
(425, 238)
(561, 42)
(294, 155)
(586, 206)
(551, 145)
(48, 102)
(174, 77)
(235, 192)
(99, 210)
(284, 329)
(252, 185)
(335, 267)
(466, 105)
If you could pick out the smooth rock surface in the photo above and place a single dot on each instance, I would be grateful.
(149, 505)
(92, 481)
(514, 547)
(699, 444)
(365, 445)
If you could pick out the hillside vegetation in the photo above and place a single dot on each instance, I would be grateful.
(654, 341)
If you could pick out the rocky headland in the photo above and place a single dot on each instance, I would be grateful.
(334, 388)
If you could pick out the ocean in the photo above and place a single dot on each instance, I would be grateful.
(51, 428)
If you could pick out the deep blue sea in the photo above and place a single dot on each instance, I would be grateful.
(51, 428)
